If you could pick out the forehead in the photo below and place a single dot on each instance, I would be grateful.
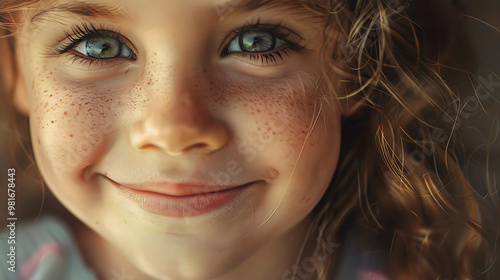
(127, 8)
(178, 15)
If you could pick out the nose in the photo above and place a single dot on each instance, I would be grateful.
(178, 123)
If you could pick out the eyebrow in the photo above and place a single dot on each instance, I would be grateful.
(235, 6)
(78, 8)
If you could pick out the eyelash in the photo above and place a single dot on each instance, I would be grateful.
(278, 30)
(89, 31)
(85, 32)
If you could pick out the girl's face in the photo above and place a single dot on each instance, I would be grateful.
(180, 130)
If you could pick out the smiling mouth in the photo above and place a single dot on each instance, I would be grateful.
(181, 190)
(178, 200)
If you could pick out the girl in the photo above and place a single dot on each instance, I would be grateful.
(236, 139)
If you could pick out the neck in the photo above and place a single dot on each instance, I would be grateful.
(103, 258)
(277, 260)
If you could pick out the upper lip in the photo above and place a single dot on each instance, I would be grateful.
(178, 189)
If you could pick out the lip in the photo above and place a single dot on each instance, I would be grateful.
(182, 200)
(178, 189)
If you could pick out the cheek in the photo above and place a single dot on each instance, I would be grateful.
(273, 117)
(278, 125)
(71, 122)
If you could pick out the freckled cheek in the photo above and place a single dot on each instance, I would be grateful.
(290, 119)
(275, 118)
(281, 122)
(73, 123)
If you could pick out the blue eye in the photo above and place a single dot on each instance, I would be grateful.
(263, 42)
(255, 42)
(88, 44)
(104, 47)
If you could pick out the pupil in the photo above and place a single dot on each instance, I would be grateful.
(257, 41)
(104, 47)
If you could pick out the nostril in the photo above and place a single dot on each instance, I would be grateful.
(195, 147)
(198, 146)
(176, 136)
(147, 147)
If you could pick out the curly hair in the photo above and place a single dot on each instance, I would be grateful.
(399, 175)
(399, 172)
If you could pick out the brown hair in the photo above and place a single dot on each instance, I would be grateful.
(17, 146)
(398, 174)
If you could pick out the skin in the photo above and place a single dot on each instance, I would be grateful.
(181, 111)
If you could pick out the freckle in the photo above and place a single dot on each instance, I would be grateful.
(71, 135)
(52, 121)
(65, 113)
(96, 223)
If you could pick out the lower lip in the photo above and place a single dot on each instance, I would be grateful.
(183, 206)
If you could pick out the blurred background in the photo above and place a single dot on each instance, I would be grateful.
(481, 133)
